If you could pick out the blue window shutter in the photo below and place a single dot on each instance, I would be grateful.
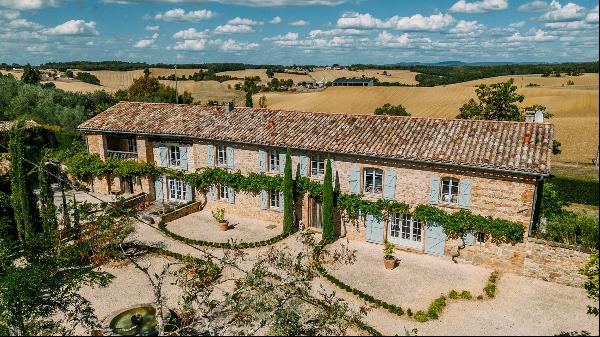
(231, 196)
(230, 158)
(262, 160)
(434, 190)
(263, 199)
(211, 155)
(304, 160)
(280, 202)
(163, 155)
(435, 239)
(183, 151)
(158, 188)
(389, 185)
(378, 230)
(464, 190)
(189, 192)
(469, 238)
(282, 163)
(354, 180)
(213, 192)
(368, 227)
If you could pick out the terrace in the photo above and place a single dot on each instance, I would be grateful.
(121, 147)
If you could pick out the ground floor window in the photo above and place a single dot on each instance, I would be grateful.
(224, 192)
(177, 189)
(405, 230)
(480, 237)
(273, 199)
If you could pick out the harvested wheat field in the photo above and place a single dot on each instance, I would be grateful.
(203, 91)
(575, 108)
(77, 86)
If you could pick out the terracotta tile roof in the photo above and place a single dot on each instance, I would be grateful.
(483, 144)
(6, 125)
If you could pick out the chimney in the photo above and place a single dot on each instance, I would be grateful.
(228, 107)
(539, 116)
(529, 116)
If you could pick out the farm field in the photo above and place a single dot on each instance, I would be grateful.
(203, 91)
(575, 107)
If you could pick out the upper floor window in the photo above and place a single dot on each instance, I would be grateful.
(273, 160)
(373, 181)
(224, 192)
(177, 190)
(175, 156)
(131, 145)
(222, 155)
(317, 166)
(450, 190)
(273, 199)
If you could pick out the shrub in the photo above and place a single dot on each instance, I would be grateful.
(436, 307)
(490, 287)
(590, 270)
(421, 316)
(574, 228)
(453, 294)
(87, 78)
(465, 294)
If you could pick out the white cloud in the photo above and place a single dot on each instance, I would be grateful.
(37, 48)
(231, 45)
(276, 20)
(568, 25)
(191, 45)
(518, 24)
(417, 22)
(299, 23)
(180, 15)
(336, 32)
(145, 43)
(537, 36)
(242, 21)
(386, 39)
(23, 24)
(152, 28)
(534, 6)
(290, 36)
(250, 3)
(191, 34)
(568, 12)
(233, 29)
(28, 4)
(467, 27)
(9, 14)
(592, 16)
(74, 27)
(478, 6)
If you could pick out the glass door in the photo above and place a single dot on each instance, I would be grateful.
(405, 231)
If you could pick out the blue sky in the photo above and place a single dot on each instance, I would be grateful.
(298, 31)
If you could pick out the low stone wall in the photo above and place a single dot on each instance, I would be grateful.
(181, 212)
(535, 258)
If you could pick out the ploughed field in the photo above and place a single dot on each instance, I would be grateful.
(575, 107)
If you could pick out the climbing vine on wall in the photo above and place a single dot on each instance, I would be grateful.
(456, 225)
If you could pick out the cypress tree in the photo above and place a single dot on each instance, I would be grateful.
(22, 197)
(47, 207)
(249, 103)
(288, 196)
(328, 232)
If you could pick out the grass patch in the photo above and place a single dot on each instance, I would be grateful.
(575, 190)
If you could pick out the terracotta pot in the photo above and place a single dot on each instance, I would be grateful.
(389, 263)
(223, 226)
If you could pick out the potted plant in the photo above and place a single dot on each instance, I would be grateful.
(219, 215)
(389, 260)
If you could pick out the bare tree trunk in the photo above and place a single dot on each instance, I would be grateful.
(15, 323)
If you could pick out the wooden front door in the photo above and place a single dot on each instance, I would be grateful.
(316, 214)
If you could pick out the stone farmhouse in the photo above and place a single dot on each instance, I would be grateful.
(490, 168)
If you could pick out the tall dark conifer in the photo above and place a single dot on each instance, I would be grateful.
(328, 231)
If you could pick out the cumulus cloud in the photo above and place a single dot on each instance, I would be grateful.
(417, 22)
(28, 4)
(191, 34)
(23, 24)
(518, 24)
(534, 6)
(38, 48)
(9, 14)
(299, 23)
(537, 36)
(386, 39)
(568, 25)
(242, 21)
(290, 36)
(152, 28)
(231, 45)
(478, 6)
(145, 43)
(467, 27)
(336, 32)
(568, 12)
(276, 20)
(180, 15)
(192, 45)
(592, 16)
(233, 29)
(250, 3)
(74, 27)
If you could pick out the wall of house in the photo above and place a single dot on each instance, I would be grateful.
(536, 258)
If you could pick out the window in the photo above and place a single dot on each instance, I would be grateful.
(177, 190)
(273, 199)
(224, 192)
(131, 145)
(450, 190)
(480, 237)
(273, 160)
(222, 155)
(317, 166)
(373, 183)
(404, 227)
(175, 156)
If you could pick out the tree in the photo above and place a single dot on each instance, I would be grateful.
(146, 72)
(328, 230)
(149, 89)
(495, 102)
(270, 72)
(249, 103)
(47, 206)
(288, 195)
(30, 75)
(87, 78)
(391, 110)
(262, 101)
(69, 74)
(590, 270)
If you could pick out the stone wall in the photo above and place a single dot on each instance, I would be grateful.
(181, 212)
(535, 258)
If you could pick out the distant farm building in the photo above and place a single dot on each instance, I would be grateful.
(353, 82)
